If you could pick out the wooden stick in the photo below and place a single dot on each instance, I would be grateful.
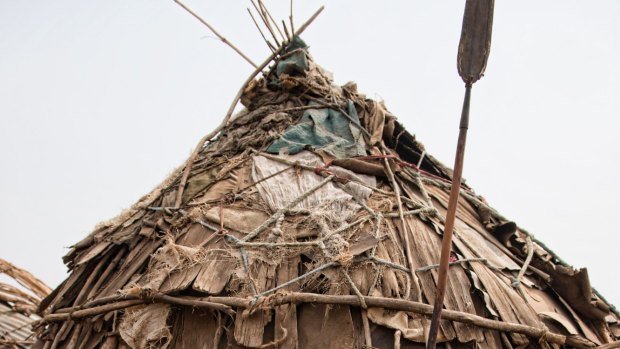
(94, 275)
(446, 241)
(266, 22)
(13, 342)
(473, 52)
(290, 17)
(133, 300)
(223, 39)
(405, 232)
(288, 35)
(351, 300)
(192, 303)
(203, 140)
(109, 269)
(268, 14)
(309, 21)
(366, 325)
(298, 164)
(425, 309)
(79, 314)
(269, 44)
(611, 345)
(285, 209)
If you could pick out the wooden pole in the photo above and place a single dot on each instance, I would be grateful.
(611, 345)
(446, 242)
(102, 307)
(474, 48)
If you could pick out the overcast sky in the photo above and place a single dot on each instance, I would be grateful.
(101, 100)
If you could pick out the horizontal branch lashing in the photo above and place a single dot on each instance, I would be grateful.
(299, 298)
(119, 302)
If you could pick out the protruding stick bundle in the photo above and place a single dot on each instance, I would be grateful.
(269, 44)
(473, 54)
(189, 162)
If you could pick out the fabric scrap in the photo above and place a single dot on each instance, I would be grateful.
(325, 129)
(287, 186)
(296, 62)
(144, 326)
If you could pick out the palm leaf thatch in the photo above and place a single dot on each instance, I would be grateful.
(20, 296)
(313, 219)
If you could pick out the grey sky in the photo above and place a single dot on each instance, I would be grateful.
(100, 100)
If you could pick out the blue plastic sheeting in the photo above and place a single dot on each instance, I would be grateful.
(323, 129)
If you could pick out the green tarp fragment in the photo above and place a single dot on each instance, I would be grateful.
(325, 129)
(295, 63)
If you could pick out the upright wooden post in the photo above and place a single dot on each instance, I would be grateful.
(474, 49)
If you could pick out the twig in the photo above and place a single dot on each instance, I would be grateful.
(355, 290)
(299, 278)
(13, 342)
(317, 242)
(266, 22)
(129, 301)
(530, 253)
(264, 179)
(611, 345)
(203, 140)
(290, 17)
(309, 21)
(366, 325)
(300, 165)
(516, 282)
(92, 311)
(427, 310)
(405, 231)
(288, 35)
(283, 210)
(268, 15)
(246, 268)
(390, 264)
(273, 49)
(460, 261)
(427, 210)
(223, 39)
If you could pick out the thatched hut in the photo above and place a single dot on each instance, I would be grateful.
(20, 295)
(313, 219)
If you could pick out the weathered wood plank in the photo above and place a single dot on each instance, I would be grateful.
(509, 305)
(286, 315)
(321, 326)
(215, 273)
(458, 292)
(197, 331)
(249, 328)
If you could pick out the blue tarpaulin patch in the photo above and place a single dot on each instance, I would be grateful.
(325, 129)
(297, 62)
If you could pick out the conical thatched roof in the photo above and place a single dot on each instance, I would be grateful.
(20, 295)
(314, 220)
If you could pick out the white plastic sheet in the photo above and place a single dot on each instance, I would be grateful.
(281, 189)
